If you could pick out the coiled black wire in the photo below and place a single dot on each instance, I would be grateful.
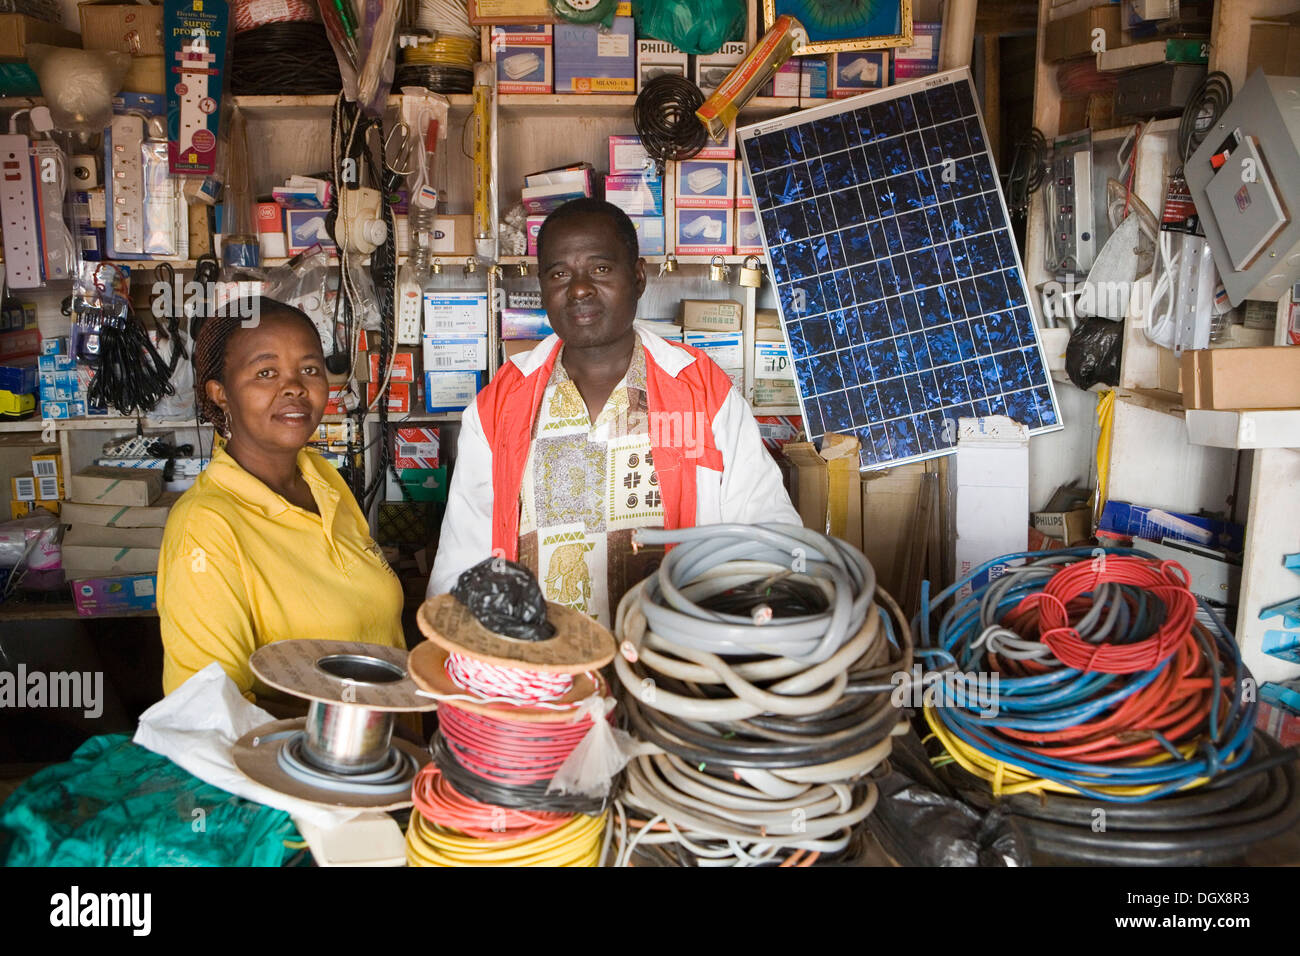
(665, 118)
(439, 79)
(131, 376)
(1215, 823)
(292, 58)
(1202, 112)
(1028, 166)
(530, 797)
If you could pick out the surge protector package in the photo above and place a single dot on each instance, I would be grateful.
(19, 214)
(195, 33)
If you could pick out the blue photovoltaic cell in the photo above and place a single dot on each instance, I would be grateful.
(897, 278)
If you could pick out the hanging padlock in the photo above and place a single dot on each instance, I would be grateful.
(719, 271)
(436, 267)
(751, 272)
(668, 265)
(523, 270)
(471, 266)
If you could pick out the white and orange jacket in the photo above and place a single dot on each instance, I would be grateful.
(711, 462)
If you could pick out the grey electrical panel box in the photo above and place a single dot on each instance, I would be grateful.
(1249, 199)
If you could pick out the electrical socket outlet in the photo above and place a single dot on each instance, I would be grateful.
(19, 214)
(410, 313)
(126, 182)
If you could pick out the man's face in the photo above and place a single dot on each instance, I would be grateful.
(590, 286)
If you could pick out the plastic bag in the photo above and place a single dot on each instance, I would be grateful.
(304, 282)
(591, 767)
(79, 85)
(31, 542)
(1092, 354)
(505, 598)
(699, 27)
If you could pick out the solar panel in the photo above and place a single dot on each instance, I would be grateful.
(900, 289)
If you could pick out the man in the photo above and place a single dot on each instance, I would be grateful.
(602, 428)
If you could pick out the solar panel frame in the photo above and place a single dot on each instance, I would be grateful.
(864, 275)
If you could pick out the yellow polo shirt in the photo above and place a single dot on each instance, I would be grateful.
(241, 567)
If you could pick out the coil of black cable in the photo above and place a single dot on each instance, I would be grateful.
(665, 118)
(286, 58)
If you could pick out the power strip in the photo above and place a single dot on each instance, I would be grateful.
(18, 212)
(410, 311)
(195, 63)
(126, 182)
(51, 168)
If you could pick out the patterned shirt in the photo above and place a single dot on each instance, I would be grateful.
(586, 487)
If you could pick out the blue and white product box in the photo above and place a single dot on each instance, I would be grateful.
(450, 391)
(723, 150)
(703, 232)
(922, 57)
(304, 228)
(452, 314)
(749, 238)
(54, 345)
(664, 328)
(466, 353)
(658, 58)
(56, 363)
(525, 324)
(523, 55)
(627, 155)
(705, 184)
(650, 234)
(727, 349)
(744, 198)
(800, 76)
(63, 409)
(19, 377)
(772, 361)
(711, 69)
(635, 194)
(590, 59)
(860, 70)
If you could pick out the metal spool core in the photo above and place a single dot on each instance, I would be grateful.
(346, 738)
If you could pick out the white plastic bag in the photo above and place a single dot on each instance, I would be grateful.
(590, 769)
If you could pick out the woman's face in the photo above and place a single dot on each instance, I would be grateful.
(274, 389)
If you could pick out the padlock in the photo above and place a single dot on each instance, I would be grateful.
(668, 265)
(751, 272)
(719, 271)
(436, 267)
(523, 270)
(471, 266)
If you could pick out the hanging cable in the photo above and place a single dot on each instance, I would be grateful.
(1202, 112)
(664, 114)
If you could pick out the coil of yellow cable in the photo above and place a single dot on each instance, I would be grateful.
(577, 843)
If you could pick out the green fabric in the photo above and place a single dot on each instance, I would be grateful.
(693, 26)
(117, 804)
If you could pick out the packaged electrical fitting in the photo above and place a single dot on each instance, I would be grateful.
(195, 33)
(705, 183)
(777, 45)
(703, 232)
(524, 58)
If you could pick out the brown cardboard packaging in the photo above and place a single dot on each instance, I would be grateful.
(119, 516)
(130, 27)
(1275, 46)
(808, 483)
(1072, 36)
(826, 487)
(888, 511)
(17, 30)
(91, 549)
(116, 486)
(711, 315)
(1229, 379)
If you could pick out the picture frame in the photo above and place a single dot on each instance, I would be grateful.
(871, 32)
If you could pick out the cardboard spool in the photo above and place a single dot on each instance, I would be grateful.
(580, 644)
(428, 668)
(294, 668)
(258, 759)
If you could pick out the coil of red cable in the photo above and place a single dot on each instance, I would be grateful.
(250, 14)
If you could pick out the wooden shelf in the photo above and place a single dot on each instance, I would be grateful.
(650, 260)
(605, 103)
(11, 611)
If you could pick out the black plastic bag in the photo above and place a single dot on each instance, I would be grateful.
(1092, 355)
(505, 598)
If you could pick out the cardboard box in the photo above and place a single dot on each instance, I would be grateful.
(48, 488)
(826, 486)
(744, 198)
(589, 59)
(453, 235)
(627, 155)
(129, 27)
(19, 377)
(808, 484)
(726, 149)
(711, 69)
(47, 466)
(922, 57)
(305, 228)
(1274, 46)
(420, 484)
(451, 314)
(450, 391)
(512, 347)
(726, 349)
(117, 516)
(889, 500)
(775, 393)
(112, 595)
(90, 549)
(525, 324)
(403, 367)
(524, 58)
(398, 399)
(650, 237)
(146, 74)
(1122, 519)
(703, 232)
(269, 217)
(991, 476)
(711, 315)
(658, 58)
(466, 353)
(800, 76)
(17, 30)
(1243, 378)
(749, 235)
(635, 194)
(416, 448)
(772, 361)
(532, 227)
(858, 71)
(704, 183)
(1072, 36)
(22, 488)
(1067, 517)
(116, 486)
(484, 12)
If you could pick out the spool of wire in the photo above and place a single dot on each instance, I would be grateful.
(439, 79)
(1202, 112)
(576, 843)
(757, 659)
(251, 14)
(292, 58)
(1106, 687)
(665, 119)
(445, 17)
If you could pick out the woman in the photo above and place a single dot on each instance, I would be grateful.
(269, 544)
